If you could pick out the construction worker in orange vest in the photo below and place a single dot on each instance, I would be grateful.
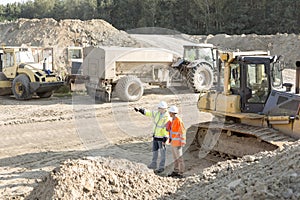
(177, 138)
(160, 134)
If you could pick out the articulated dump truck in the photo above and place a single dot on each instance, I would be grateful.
(21, 76)
(125, 70)
(253, 110)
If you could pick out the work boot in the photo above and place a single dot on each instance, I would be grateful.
(157, 171)
(173, 174)
(151, 166)
(179, 176)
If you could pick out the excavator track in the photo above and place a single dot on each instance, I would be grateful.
(235, 140)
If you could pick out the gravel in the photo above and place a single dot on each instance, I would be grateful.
(266, 175)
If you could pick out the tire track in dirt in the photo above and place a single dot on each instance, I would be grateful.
(75, 128)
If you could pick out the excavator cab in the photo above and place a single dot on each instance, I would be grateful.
(253, 112)
(253, 78)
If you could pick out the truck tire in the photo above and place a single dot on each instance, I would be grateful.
(200, 77)
(45, 94)
(129, 88)
(21, 87)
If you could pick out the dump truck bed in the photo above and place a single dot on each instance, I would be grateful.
(109, 62)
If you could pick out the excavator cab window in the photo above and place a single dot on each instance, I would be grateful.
(256, 88)
(235, 78)
(258, 83)
(276, 76)
(1, 60)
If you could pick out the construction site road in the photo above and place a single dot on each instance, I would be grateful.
(38, 135)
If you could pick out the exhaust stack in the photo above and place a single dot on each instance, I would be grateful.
(297, 77)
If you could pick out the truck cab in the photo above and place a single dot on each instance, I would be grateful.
(199, 52)
(75, 60)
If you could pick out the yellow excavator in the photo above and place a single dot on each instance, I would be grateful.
(21, 76)
(253, 110)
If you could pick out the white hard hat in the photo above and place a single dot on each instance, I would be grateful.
(163, 105)
(173, 109)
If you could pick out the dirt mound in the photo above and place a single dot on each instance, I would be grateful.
(59, 35)
(104, 178)
(49, 32)
(267, 175)
(287, 45)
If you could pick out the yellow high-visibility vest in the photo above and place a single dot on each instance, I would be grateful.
(160, 121)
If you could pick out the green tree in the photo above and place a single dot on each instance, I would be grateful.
(191, 17)
(59, 10)
(104, 9)
(43, 8)
(182, 16)
(89, 9)
(147, 13)
(165, 14)
(2, 12)
(12, 11)
(27, 10)
(73, 9)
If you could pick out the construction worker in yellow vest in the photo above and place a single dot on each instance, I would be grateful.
(177, 138)
(160, 134)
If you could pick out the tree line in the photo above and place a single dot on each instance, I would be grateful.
(186, 16)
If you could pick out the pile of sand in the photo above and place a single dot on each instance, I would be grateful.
(59, 35)
(287, 45)
(104, 178)
(266, 175)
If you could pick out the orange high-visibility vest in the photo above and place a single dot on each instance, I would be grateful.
(177, 133)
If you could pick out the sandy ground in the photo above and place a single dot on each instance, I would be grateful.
(38, 135)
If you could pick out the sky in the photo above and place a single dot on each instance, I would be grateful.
(4, 2)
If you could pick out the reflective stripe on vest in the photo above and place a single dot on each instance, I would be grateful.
(177, 132)
(172, 133)
(159, 129)
(175, 135)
